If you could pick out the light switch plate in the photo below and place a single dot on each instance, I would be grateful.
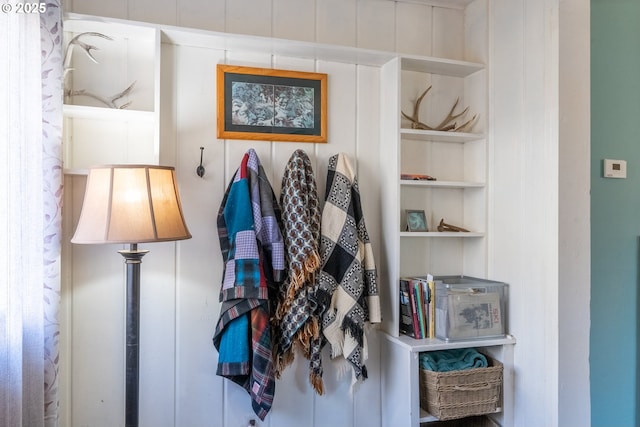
(615, 168)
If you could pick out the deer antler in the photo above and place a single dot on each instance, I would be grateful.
(466, 126)
(415, 121)
(443, 226)
(446, 124)
(87, 48)
(109, 102)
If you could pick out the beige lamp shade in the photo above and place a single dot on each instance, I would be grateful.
(131, 204)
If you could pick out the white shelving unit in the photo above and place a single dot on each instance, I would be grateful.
(459, 162)
(401, 373)
(95, 133)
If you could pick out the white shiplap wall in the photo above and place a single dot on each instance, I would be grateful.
(180, 281)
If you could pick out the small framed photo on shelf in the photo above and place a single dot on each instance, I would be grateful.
(416, 220)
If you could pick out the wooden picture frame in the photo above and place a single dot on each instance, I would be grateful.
(271, 105)
(416, 220)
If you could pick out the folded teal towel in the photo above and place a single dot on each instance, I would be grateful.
(452, 360)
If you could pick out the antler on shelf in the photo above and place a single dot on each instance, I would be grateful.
(87, 48)
(443, 226)
(84, 46)
(447, 124)
(108, 101)
(415, 121)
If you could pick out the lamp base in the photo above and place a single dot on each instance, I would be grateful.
(133, 259)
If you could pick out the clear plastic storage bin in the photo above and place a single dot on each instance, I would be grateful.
(469, 308)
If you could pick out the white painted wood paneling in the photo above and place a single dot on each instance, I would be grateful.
(520, 140)
(448, 34)
(366, 162)
(111, 9)
(455, 4)
(98, 335)
(199, 262)
(249, 17)
(294, 19)
(205, 14)
(376, 29)
(542, 146)
(336, 22)
(389, 191)
(575, 225)
(413, 29)
(506, 194)
(476, 21)
(525, 156)
(156, 11)
(157, 335)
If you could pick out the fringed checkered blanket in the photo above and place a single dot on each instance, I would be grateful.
(253, 254)
(347, 292)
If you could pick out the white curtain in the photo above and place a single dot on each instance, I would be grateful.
(52, 179)
(30, 201)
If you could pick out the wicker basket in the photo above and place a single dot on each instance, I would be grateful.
(458, 394)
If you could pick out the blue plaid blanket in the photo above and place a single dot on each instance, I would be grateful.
(249, 224)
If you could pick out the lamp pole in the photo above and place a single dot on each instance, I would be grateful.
(133, 259)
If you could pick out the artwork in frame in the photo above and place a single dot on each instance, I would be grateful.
(416, 220)
(271, 105)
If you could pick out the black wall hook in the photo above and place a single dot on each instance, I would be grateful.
(200, 169)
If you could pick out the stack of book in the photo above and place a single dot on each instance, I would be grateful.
(417, 306)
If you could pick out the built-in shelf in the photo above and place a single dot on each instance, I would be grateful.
(440, 136)
(448, 67)
(440, 234)
(433, 344)
(459, 161)
(115, 114)
(441, 184)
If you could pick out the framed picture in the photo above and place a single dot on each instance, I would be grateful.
(271, 105)
(416, 220)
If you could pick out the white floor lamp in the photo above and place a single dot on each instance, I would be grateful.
(131, 204)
